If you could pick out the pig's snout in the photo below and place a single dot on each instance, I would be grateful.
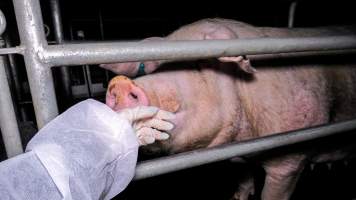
(124, 93)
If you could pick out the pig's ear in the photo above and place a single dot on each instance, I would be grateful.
(132, 69)
(148, 67)
(151, 66)
(127, 69)
(241, 61)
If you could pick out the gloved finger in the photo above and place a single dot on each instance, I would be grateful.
(145, 140)
(143, 112)
(157, 124)
(137, 113)
(161, 135)
(165, 115)
(148, 135)
(145, 136)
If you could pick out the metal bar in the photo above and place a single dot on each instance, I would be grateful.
(12, 50)
(30, 25)
(291, 14)
(264, 57)
(13, 64)
(15, 76)
(59, 37)
(2, 22)
(102, 36)
(8, 73)
(86, 69)
(95, 53)
(87, 76)
(8, 123)
(101, 25)
(186, 160)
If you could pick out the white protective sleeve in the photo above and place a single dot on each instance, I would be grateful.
(88, 152)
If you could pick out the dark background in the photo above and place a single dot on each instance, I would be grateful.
(132, 20)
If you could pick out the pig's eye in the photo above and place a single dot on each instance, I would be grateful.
(132, 95)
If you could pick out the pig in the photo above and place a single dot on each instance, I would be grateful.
(218, 101)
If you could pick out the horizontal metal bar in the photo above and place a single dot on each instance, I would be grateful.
(51, 42)
(12, 50)
(186, 160)
(78, 54)
(264, 57)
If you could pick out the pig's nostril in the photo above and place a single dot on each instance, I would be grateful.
(133, 96)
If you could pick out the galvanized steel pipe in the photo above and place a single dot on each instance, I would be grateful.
(186, 160)
(291, 14)
(2, 22)
(8, 123)
(15, 76)
(11, 50)
(95, 53)
(30, 25)
(59, 37)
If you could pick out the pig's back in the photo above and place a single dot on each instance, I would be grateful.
(197, 30)
(340, 73)
(245, 30)
(308, 32)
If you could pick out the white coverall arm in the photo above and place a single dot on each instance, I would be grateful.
(88, 152)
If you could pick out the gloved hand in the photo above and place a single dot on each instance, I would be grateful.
(149, 123)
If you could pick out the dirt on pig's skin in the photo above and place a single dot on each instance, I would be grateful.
(219, 102)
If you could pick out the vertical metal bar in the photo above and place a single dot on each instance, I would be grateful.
(291, 14)
(2, 22)
(86, 69)
(8, 75)
(8, 123)
(15, 75)
(30, 25)
(102, 35)
(59, 37)
(89, 81)
(101, 24)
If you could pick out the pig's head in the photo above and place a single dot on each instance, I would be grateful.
(205, 114)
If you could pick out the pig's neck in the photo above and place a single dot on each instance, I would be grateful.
(247, 102)
(209, 107)
(234, 121)
(245, 129)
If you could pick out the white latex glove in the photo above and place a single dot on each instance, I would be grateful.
(149, 123)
